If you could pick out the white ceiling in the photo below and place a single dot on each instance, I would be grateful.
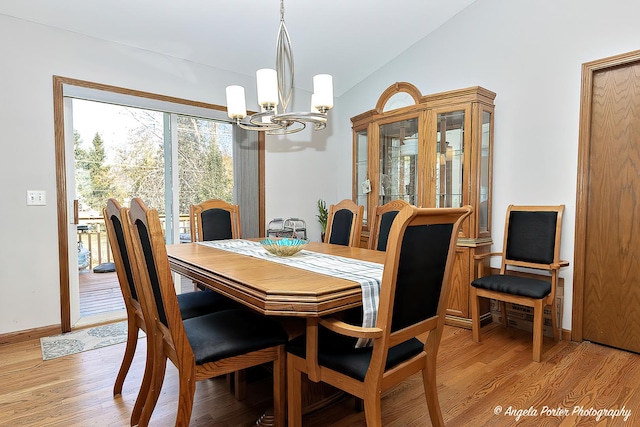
(349, 39)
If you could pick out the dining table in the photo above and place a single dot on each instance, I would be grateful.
(269, 286)
(298, 289)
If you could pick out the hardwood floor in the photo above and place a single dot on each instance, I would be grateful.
(473, 380)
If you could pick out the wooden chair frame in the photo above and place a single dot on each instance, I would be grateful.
(135, 318)
(377, 379)
(195, 216)
(506, 268)
(374, 229)
(170, 342)
(356, 221)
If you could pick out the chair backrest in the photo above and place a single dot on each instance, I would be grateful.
(381, 223)
(117, 233)
(532, 236)
(344, 223)
(155, 284)
(416, 278)
(214, 219)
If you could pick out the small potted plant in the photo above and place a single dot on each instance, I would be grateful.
(322, 216)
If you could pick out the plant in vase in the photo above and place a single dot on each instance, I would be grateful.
(322, 216)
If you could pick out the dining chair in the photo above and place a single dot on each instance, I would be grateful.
(191, 304)
(344, 224)
(381, 223)
(214, 219)
(532, 242)
(201, 347)
(413, 297)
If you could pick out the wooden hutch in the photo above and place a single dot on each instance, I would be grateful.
(431, 151)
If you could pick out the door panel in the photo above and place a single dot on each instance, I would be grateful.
(611, 302)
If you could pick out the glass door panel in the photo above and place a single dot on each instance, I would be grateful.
(363, 185)
(485, 167)
(205, 165)
(450, 155)
(399, 162)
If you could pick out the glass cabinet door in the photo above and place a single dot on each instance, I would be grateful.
(449, 159)
(398, 144)
(484, 174)
(363, 185)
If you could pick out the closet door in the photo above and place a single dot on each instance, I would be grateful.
(608, 211)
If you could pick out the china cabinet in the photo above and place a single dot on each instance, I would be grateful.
(431, 151)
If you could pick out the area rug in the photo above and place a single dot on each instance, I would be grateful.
(83, 340)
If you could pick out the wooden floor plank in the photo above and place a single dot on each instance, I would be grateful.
(473, 380)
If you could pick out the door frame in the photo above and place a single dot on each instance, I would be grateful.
(61, 174)
(584, 148)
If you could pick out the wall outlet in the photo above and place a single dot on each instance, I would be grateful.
(36, 197)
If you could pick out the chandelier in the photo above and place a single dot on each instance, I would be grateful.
(274, 90)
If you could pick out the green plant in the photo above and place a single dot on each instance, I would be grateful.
(323, 214)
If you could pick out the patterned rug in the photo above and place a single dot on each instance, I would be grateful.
(83, 340)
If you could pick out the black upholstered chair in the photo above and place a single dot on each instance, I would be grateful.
(381, 223)
(344, 224)
(214, 219)
(413, 298)
(191, 304)
(201, 347)
(531, 242)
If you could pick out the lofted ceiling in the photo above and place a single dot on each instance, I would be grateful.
(349, 39)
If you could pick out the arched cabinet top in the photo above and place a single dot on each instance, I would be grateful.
(398, 95)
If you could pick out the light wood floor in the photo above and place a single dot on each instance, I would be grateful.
(473, 380)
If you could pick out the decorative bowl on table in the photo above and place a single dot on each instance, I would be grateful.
(284, 246)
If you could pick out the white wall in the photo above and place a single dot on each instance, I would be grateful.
(30, 55)
(530, 53)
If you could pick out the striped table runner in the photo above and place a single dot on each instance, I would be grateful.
(367, 274)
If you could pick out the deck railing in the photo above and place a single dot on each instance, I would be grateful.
(92, 235)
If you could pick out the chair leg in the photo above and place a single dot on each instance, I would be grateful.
(554, 322)
(475, 314)
(240, 384)
(186, 395)
(280, 387)
(294, 391)
(144, 387)
(503, 310)
(129, 352)
(372, 409)
(157, 373)
(431, 393)
(538, 322)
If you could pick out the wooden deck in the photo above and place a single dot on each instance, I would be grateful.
(100, 292)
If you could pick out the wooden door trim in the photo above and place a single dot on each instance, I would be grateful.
(584, 148)
(61, 177)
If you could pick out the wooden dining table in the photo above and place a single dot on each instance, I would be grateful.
(296, 296)
(268, 287)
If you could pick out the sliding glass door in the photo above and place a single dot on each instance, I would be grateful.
(169, 159)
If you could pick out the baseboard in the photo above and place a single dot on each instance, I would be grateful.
(30, 334)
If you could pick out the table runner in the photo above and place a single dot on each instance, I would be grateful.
(367, 274)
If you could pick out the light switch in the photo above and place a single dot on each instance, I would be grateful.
(36, 197)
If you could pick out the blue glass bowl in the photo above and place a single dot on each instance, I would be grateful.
(284, 246)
